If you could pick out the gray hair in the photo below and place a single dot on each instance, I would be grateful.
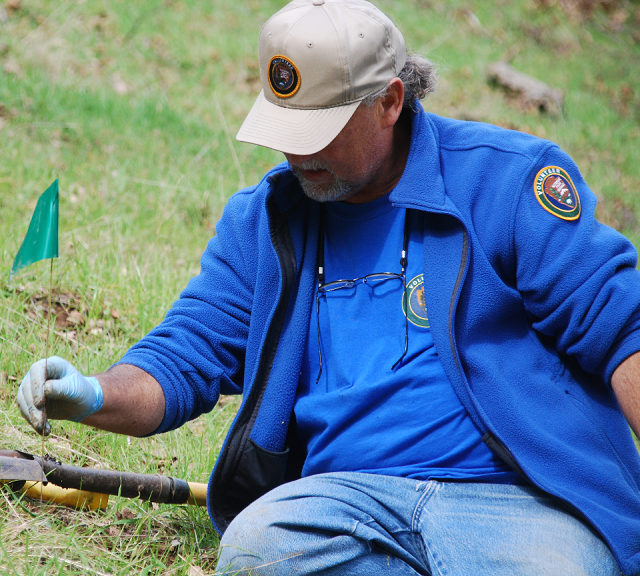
(419, 78)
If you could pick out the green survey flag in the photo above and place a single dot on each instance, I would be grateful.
(41, 240)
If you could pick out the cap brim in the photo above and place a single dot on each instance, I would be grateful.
(292, 130)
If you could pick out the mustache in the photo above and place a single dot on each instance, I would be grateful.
(328, 192)
(310, 165)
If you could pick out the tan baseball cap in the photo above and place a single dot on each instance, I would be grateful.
(318, 60)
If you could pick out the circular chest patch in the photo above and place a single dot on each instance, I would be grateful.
(284, 77)
(556, 193)
(416, 311)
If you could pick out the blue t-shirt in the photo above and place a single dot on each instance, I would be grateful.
(361, 415)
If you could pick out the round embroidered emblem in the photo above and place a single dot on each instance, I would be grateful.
(416, 312)
(284, 77)
(556, 193)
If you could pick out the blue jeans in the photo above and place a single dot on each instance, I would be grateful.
(365, 524)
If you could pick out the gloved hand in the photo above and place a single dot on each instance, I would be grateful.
(66, 394)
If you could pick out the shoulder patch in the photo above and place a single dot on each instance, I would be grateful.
(284, 76)
(556, 193)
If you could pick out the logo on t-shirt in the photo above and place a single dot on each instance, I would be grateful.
(416, 311)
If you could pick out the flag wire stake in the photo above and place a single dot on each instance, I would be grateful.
(46, 359)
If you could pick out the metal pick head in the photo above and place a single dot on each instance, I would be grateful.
(21, 469)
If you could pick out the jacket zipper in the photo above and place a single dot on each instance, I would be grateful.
(224, 470)
(489, 438)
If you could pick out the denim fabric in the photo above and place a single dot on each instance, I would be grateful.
(365, 524)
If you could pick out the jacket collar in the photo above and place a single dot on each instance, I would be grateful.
(421, 185)
(282, 180)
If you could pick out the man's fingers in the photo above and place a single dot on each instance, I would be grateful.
(33, 415)
(23, 402)
(37, 419)
(36, 383)
(54, 389)
(30, 395)
(56, 368)
(63, 389)
(32, 385)
(34, 389)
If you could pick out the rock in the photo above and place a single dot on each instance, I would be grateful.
(528, 93)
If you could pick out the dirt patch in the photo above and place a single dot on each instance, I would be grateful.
(67, 307)
(69, 316)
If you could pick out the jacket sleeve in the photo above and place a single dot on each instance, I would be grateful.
(577, 277)
(198, 350)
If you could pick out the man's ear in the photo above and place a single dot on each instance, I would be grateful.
(391, 103)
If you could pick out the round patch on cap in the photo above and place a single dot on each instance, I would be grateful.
(556, 193)
(284, 77)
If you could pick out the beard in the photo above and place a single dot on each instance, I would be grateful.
(332, 191)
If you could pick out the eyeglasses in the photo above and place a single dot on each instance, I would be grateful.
(373, 280)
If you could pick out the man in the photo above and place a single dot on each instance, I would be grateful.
(435, 340)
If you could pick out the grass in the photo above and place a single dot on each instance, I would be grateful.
(134, 107)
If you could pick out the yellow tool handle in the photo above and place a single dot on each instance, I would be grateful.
(93, 500)
(67, 496)
(198, 494)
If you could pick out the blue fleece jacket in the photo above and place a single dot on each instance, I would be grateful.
(533, 311)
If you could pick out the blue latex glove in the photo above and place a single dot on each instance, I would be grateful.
(67, 394)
